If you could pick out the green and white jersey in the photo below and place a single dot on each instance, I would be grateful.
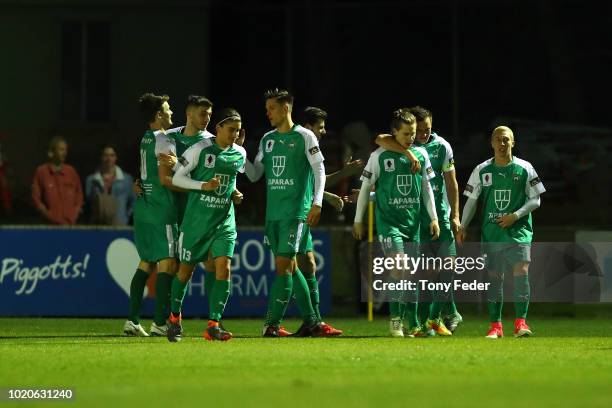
(441, 158)
(503, 191)
(185, 142)
(287, 159)
(204, 160)
(398, 190)
(157, 204)
(182, 144)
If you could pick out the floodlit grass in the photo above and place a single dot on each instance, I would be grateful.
(567, 363)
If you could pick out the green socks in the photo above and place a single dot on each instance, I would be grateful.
(441, 297)
(179, 289)
(139, 281)
(218, 298)
(313, 286)
(521, 295)
(209, 283)
(411, 314)
(302, 297)
(280, 293)
(162, 297)
(495, 298)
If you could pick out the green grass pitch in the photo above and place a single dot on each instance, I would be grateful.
(567, 363)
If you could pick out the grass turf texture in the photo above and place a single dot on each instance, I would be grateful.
(567, 363)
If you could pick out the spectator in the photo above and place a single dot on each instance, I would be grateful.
(56, 189)
(109, 191)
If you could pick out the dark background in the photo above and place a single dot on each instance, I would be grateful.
(541, 67)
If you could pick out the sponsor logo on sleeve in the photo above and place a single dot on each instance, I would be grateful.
(366, 174)
(450, 165)
(314, 150)
(429, 170)
(183, 161)
(535, 181)
(469, 188)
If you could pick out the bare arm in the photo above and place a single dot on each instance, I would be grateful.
(388, 142)
(165, 177)
(452, 191)
(350, 168)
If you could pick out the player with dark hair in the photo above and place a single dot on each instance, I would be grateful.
(208, 170)
(292, 162)
(155, 216)
(314, 119)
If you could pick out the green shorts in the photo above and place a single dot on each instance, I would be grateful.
(306, 244)
(194, 247)
(504, 260)
(286, 237)
(443, 247)
(394, 242)
(155, 242)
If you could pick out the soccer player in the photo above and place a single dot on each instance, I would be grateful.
(155, 217)
(446, 194)
(292, 162)
(313, 119)
(209, 171)
(400, 196)
(510, 191)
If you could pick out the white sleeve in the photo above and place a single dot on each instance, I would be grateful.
(189, 161)
(255, 170)
(362, 200)
(449, 162)
(164, 144)
(530, 205)
(241, 169)
(428, 198)
(533, 186)
(311, 148)
(469, 210)
(319, 182)
(371, 171)
(426, 170)
(474, 185)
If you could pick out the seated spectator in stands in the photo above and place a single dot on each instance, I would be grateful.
(56, 188)
(109, 191)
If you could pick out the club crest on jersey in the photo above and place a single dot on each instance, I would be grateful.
(502, 199)
(269, 146)
(487, 179)
(516, 178)
(278, 165)
(223, 183)
(404, 183)
(389, 165)
(209, 161)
